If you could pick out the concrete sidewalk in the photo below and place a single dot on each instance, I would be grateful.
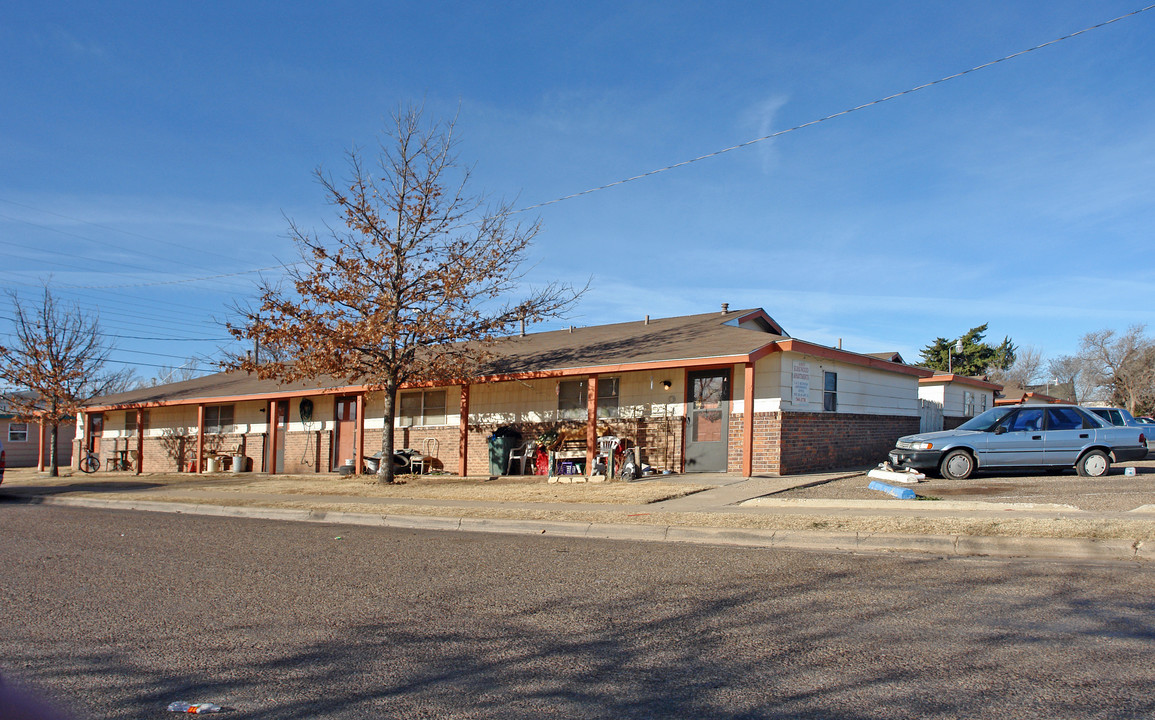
(733, 511)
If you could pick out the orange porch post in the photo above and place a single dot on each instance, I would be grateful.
(359, 449)
(139, 440)
(748, 422)
(200, 438)
(40, 447)
(591, 423)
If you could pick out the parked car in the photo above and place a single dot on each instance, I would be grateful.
(1022, 436)
(1146, 421)
(1123, 418)
(1116, 416)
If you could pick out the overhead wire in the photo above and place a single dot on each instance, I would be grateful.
(832, 116)
(667, 168)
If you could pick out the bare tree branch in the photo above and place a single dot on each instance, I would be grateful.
(415, 284)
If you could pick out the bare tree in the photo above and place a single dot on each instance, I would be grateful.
(59, 358)
(1026, 369)
(415, 284)
(1120, 367)
(1068, 370)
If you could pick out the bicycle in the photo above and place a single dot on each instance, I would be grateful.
(89, 463)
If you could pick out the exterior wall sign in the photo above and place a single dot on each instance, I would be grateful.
(801, 375)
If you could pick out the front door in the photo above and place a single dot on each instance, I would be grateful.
(280, 428)
(344, 446)
(708, 420)
(95, 431)
(1017, 442)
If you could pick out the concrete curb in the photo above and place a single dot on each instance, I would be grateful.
(1083, 549)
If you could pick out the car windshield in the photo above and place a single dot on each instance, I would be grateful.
(987, 421)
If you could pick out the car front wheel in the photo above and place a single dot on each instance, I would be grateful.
(957, 465)
(1094, 463)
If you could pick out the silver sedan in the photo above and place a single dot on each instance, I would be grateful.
(1022, 436)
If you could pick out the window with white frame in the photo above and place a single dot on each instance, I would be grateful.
(830, 392)
(572, 398)
(983, 404)
(968, 403)
(218, 419)
(130, 421)
(423, 408)
(17, 432)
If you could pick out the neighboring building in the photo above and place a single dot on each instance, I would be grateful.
(954, 399)
(27, 443)
(729, 392)
(1018, 395)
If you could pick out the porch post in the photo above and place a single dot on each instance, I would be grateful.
(201, 438)
(270, 437)
(139, 440)
(359, 445)
(748, 422)
(463, 441)
(591, 423)
(40, 446)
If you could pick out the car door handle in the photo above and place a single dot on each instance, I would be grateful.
(1036, 437)
(1084, 435)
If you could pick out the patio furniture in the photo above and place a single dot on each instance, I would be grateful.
(521, 455)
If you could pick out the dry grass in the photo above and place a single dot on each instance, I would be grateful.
(330, 493)
(1139, 530)
(446, 488)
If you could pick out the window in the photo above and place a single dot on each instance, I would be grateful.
(572, 399)
(423, 408)
(130, 421)
(1029, 419)
(1064, 419)
(968, 403)
(17, 432)
(983, 404)
(830, 392)
(218, 419)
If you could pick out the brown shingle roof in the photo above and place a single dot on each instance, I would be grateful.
(690, 339)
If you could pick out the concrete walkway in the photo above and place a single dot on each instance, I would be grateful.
(712, 516)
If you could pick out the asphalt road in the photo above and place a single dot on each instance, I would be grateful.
(118, 613)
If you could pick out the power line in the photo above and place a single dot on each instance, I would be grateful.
(834, 115)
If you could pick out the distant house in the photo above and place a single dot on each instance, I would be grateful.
(27, 442)
(957, 398)
(718, 392)
(1018, 395)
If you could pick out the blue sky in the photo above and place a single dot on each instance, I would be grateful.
(143, 144)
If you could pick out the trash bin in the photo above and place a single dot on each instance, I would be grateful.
(211, 465)
(239, 464)
(501, 444)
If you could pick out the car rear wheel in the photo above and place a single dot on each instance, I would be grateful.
(1094, 463)
(957, 465)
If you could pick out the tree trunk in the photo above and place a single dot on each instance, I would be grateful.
(385, 472)
(53, 461)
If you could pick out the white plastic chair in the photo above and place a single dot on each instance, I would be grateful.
(528, 451)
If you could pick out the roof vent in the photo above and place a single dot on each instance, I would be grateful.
(725, 308)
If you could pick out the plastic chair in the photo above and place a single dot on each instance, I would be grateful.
(527, 452)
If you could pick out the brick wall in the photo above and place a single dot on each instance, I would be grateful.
(791, 443)
(176, 453)
(950, 423)
(814, 442)
(659, 438)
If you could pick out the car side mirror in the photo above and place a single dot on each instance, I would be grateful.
(1000, 429)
